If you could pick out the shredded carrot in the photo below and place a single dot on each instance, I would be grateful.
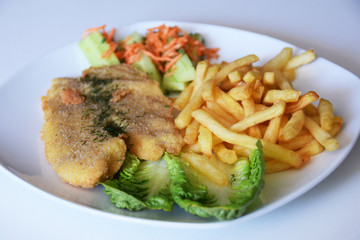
(162, 45)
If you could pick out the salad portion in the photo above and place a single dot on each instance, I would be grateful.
(167, 54)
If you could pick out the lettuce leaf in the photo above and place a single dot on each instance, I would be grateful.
(198, 196)
(140, 184)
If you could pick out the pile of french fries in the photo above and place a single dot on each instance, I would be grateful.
(229, 106)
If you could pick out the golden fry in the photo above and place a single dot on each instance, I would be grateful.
(311, 110)
(241, 151)
(279, 61)
(229, 104)
(202, 165)
(304, 58)
(259, 117)
(326, 114)
(302, 102)
(336, 127)
(310, 149)
(293, 127)
(269, 78)
(274, 166)
(281, 81)
(184, 97)
(252, 76)
(299, 141)
(200, 73)
(207, 90)
(205, 141)
(290, 74)
(235, 76)
(286, 95)
(321, 135)
(258, 91)
(272, 131)
(240, 92)
(218, 110)
(191, 132)
(225, 155)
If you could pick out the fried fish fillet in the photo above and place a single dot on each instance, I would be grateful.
(91, 121)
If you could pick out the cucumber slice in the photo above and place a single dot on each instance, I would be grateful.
(135, 37)
(93, 46)
(185, 70)
(168, 84)
(146, 65)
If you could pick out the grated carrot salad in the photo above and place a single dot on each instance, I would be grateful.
(162, 45)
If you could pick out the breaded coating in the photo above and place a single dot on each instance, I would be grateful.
(91, 121)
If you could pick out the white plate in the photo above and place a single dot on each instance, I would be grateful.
(22, 154)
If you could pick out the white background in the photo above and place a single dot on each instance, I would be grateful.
(30, 29)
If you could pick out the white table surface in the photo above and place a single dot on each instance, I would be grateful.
(30, 29)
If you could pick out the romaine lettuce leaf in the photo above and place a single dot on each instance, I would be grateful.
(201, 197)
(140, 184)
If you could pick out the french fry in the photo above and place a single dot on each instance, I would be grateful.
(200, 73)
(240, 92)
(274, 166)
(229, 104)
(269, 78)
(235, 76)
(184, 97)
(336, 127)
(207, 90)
(249, 109)
(255, 131)
(290, 74)
(270, 150)
(241, 151)
(225, 155)
(226, 85)
(299, 141)
(211, 72)
(202, 165)
(205, 141)
(281, 81)
(184, 117)
(260, 107)
(272, 131)
(326, 114)
(304, 58)
(286, 95)
(312, 148)
(302, 102)
(223, 121)
(293, 127)
(323, 137)
(191, 132)
(259, 117)
(195, 148)
(249, 106)
(218, 110)
(258, 91)
(279, 61)
(252, 76)
(311, 110)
